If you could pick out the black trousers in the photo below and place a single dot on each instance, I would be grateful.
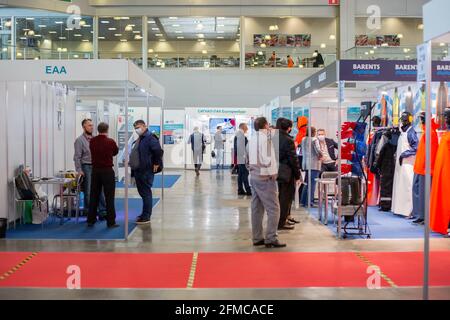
(243, 184)
(329, 167)
(286, 192)
(103, 178)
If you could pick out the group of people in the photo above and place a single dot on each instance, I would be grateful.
(94, 161)
(318, 60)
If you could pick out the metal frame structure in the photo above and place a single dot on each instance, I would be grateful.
(114, 75)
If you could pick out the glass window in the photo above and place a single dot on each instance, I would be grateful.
(120, 38)
(289, 42)
(203, 42)
(54, 37)
(5, 38)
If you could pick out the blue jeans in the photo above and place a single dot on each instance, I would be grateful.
(87, 170)
(305, 197)
(144, 183)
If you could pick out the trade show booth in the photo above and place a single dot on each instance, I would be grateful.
(42, 109)
(372, 110)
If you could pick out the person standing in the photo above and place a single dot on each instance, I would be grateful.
(145, 160)
(311, 164)
(263, 176)
(240, 151)
(219, 146)
(328, 148)
(288, 172)
(198, 146)
(273, 60)
(103, 150)
(83, 164)
(290, 62)
(318, 60)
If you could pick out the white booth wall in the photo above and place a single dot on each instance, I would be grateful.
(38, 126)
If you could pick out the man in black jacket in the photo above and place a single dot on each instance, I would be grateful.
(288, 174)
(328, 148)
(145, 161)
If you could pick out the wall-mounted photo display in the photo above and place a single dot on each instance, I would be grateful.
(282, 40)
(365, 40)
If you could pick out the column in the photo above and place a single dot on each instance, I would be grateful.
(144, 43)
(242, 43)
(346, 27)
(13, 38)
(95, 38)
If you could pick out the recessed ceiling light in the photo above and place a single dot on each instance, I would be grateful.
(178, 31)
(181, 37)
(220, 18)
(77, 35)
(116, 18)
(68, 29)
(31, 33)
(323, 45)
(137, 37)
(82, 23)
(101, 38)
(62, 38)
(112, 29)
(29, 18)
(104, 21)
(128, 28)
(86, 40)
(150, 50)
(175, 25)
(23, 38)
(136, 31)
(220, 31)
(203, 43)
(59, 22)
(400, 36)
(162, 40)
(204, 52)
(173, 18)
(26, 29)
(118, 34)
(125, 18)
(75, 56)
(19, 54)
(155, 29)
(219, 37)
(221, 25)
(151, 21)
(442, 44)
(123, 40)
(86, 26)
(332, 37)
(159, 35)
(8, 23)
(200, 35)
(42, 26)
(4, 49)
(52, 32)
(420, 26)
(200, 26)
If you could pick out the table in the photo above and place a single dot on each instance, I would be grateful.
(322, 185)
(60, 182)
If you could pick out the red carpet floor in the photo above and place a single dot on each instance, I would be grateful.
(280, 270)
(104, 270)
(220, 270)
(10, 259)
(406, 268)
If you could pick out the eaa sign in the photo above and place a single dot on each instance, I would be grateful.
(55, 70)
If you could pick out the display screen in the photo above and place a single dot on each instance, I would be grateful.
(228, 125)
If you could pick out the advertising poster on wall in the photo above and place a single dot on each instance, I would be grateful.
(173, 133)
(282, 40)
(364, 40)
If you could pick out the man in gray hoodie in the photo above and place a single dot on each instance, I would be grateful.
(263, 177)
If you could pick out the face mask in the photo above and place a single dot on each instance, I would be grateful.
(139, 131)
(321, 138)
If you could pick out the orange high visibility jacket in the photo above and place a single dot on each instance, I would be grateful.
(420, 165)
(440, 191)
(302, 125)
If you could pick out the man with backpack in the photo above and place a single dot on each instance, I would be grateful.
(145, 161)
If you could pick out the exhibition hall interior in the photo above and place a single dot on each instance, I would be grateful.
(226, 150)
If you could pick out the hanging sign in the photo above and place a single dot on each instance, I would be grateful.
(422, 58)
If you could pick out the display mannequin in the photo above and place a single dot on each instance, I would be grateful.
(404, 167)
(420, 169)
(440, 206)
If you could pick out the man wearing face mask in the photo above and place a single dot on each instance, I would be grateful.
(145, 162)
(328, 148)
(402, 203)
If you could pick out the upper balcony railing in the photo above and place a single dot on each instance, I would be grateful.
(439, 52)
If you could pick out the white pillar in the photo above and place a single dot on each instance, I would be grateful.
(144, 43)
(242, 43)
(13, 38)
(95, 38)
(346, 27)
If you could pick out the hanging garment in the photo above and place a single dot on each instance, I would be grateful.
(385, 165)
(384, 113)
(396, 108)
(423, 96)
(441, 104)
(409, 101)
(404, 174)
(419, 166)
(440, 205)
(302, 125)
